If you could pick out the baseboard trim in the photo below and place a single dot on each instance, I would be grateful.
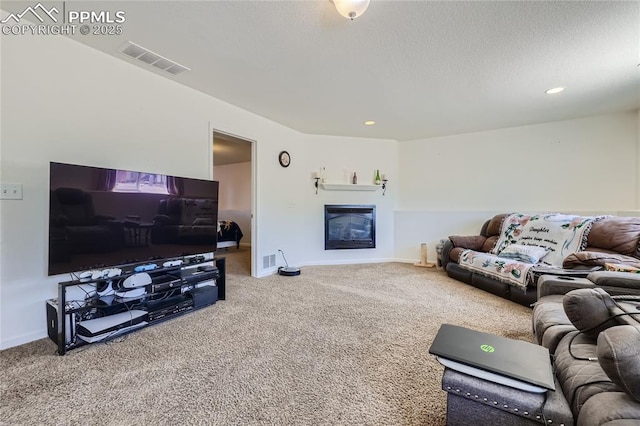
(273, 271)
(22, 339)
(346, 262)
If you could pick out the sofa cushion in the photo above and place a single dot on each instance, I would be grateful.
(619, 357)
(493, 228)
(594, 258)
(473, 242)
(489, 243)
(580, 379)
(610, 409)
(620, 234)
(509, 271)
(527, 254)
(589, 310)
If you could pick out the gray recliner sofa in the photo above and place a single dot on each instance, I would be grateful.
(594, 340)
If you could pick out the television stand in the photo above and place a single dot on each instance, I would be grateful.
(95, 310)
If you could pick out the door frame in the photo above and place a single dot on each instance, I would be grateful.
(254, 191)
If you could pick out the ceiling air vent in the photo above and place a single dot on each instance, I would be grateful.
(148, 57)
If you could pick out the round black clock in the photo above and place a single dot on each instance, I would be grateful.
(284, 158)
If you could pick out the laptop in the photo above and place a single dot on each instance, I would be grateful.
(499, 357)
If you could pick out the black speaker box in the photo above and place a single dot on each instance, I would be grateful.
(221, 264)
(204, 296)
(52, 323)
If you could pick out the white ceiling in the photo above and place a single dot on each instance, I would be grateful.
(418, 68)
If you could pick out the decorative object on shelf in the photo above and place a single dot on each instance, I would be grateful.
(284, 158)
(384, 184)
(351, 9)
(349, 182)
(317, 178)
(423, 257)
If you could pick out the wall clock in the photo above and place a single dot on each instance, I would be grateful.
(284, 158)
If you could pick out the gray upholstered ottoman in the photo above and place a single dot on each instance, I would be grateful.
(473, 401)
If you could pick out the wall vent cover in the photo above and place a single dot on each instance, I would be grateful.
(151, 58)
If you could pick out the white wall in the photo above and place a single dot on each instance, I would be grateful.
(234, 198)
(450, 185)
(63, 101)
(235, 186)
(340, 157)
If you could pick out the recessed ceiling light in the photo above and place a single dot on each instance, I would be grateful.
(554, 90)
(369, 123)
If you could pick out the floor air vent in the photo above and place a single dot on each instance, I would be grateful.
(148, 57)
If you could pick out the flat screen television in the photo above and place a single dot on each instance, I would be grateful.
(100, 218)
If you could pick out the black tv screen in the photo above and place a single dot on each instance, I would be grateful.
(100, 218)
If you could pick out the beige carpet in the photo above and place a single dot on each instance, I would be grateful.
(337, 345)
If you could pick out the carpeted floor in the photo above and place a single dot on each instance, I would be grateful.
(337, 345)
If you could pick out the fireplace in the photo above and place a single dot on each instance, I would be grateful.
(349, 227)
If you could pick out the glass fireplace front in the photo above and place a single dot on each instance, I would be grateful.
(349, 227)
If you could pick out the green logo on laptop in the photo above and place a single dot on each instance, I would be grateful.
(487, 348)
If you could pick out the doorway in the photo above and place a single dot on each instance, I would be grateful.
(233, 167)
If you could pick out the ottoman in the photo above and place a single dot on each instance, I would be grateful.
(473, 401)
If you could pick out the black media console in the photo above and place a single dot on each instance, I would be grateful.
(98, 308)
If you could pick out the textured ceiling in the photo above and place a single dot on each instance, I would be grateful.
(418, 68)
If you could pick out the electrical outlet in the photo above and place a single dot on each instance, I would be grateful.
(11, 191)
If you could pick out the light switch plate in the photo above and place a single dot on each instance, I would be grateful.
(11, 191)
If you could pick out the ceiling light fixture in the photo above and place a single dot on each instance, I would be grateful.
(369, 123)
(554, 90)
(351, 9)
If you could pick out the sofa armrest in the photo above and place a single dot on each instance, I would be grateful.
(446, 250)
(616, 282)
(560, 284)
(474, 242)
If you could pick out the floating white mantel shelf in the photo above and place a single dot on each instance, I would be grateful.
(348, 187)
